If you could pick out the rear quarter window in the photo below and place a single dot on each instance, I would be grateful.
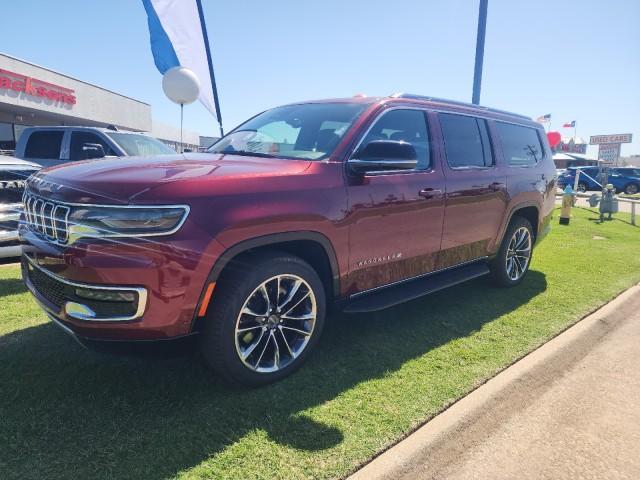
(521, 146)
(44, 145)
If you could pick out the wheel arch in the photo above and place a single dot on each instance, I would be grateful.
(528, 210)
(313, 247)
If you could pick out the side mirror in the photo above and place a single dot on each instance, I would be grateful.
(384, 155)
(92, 150)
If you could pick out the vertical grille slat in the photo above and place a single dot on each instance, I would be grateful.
(47, 217)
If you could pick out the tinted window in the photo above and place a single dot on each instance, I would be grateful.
(407, 126)
(629, 172)
(521, 145)
(44, 145)
(78, 139)
(466, 141)
(7, 141)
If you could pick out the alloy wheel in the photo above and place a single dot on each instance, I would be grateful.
(275, 323)
(518, 253)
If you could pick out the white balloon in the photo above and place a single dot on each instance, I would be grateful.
(181, 85)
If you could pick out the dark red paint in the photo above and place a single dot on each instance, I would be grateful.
(413, 222)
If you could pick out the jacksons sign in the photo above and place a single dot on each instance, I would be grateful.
(36, 88)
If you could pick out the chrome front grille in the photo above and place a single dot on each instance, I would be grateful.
(51, 219)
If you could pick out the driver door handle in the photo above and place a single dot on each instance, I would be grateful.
(428, 193)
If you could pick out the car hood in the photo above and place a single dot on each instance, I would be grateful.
(13, 163)
(130, 179)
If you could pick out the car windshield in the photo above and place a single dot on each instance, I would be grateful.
(308, 131)
(136, 144)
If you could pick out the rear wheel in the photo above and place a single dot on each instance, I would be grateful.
(511, 263)
(264, 319)
(582, 187)
(631, 188)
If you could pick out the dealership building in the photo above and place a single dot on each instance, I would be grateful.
(31, 95)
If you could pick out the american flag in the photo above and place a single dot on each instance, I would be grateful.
(544, 118)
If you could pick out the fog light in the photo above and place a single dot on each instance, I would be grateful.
(106, 295)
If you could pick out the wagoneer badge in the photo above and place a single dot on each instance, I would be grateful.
(385, 258)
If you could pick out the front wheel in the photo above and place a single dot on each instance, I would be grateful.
(582, 187)
(511, 263)
(265, 318)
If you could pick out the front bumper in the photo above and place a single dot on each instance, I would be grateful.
(80, 301)
(163, 348)
(164, 281)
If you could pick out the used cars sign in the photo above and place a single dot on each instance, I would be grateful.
(614, 138)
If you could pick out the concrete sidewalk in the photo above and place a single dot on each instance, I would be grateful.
(569, 410)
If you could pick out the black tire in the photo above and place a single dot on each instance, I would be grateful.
(500, 273)
(631, 188)
(219, 340)
(582, 187)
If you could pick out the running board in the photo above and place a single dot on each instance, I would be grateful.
(412, 289)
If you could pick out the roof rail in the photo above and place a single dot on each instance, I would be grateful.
(413, 96)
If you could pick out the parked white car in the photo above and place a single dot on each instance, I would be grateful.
(13, 176)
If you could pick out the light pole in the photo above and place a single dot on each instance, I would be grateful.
(477, 71)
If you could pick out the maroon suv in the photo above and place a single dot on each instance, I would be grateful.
(360, 203)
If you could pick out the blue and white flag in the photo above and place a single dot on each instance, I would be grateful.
(178, 38)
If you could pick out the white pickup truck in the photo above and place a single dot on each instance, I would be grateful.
(50, 146)
(13, 176)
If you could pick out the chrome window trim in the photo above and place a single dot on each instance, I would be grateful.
(141, 291)
(492, 147)
(537, 130)
(72, 237)
(378, 116)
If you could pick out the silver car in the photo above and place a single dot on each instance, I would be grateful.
(13, 175)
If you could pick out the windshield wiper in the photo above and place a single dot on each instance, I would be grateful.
(246, 153)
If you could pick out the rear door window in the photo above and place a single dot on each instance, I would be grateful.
(44, 144)
(521, 145)
(78, 139)
(466, 141)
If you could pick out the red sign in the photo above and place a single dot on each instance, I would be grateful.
(36, 88)
(573, 147)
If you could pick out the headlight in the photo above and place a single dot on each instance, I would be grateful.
(101, 221)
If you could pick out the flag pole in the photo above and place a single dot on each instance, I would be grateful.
(210, 62)
(477, 69)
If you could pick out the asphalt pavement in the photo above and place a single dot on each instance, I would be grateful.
(569, 410)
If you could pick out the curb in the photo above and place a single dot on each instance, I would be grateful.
(393, 462)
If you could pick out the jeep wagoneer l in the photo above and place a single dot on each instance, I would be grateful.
(358, 203)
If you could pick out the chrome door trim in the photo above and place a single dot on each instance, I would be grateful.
(416, 277)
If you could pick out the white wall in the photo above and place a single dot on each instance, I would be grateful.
(92, 102)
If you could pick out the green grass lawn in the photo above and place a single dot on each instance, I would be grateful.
(69, 413)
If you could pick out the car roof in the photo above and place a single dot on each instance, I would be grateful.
(433, 102)
(84, 127)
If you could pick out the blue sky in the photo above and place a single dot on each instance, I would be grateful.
(576, 59)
